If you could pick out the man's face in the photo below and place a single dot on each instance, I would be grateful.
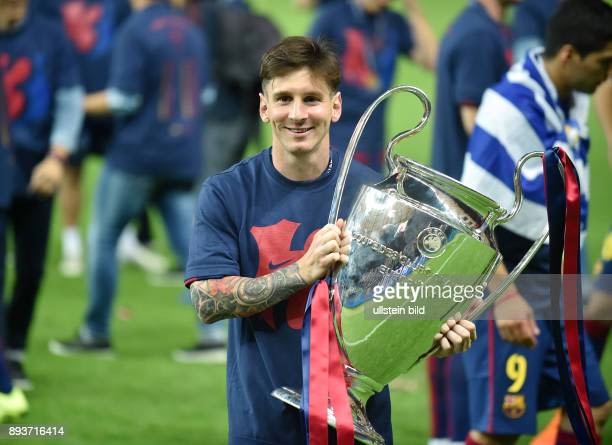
(12, 12)
(300, 108)
(588, 72)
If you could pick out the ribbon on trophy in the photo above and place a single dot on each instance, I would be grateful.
(563, 208)
(322, 371)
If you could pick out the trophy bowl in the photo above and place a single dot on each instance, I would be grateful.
(417, 229)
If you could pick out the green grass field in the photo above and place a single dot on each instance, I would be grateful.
(143, 397)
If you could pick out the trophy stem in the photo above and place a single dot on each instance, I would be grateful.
(362, 388)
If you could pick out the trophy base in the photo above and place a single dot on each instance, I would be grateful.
(364, 432)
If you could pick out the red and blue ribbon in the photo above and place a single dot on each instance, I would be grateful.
(563, 208)
(323, 378)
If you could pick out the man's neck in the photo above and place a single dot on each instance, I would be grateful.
(494, 8)
(553, 69)
(304, 167)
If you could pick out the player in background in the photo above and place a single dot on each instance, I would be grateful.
(541, 103)
(598, 311)
(91, 26)
(478, 34)
(369, 38)
(13, 403)
(158, 72)
(44, 95)
(529, 25)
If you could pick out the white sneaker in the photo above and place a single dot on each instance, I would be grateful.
(71, 267)
(131, 251)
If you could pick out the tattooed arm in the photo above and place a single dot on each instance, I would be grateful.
(234, 296)
(241, 297)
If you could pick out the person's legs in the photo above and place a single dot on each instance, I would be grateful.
(71, 264)
(30, 216)
(437, 375)
(176, 206)
(6, 385)
(119, 198)
(13, 403)
(224, 143)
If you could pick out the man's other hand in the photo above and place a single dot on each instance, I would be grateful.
(456, 335)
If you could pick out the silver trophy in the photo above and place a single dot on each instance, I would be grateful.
(417, 226)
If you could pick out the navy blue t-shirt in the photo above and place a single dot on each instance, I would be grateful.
(531, 18)
(250, 221)
(160, 56)
(368, 47)
(474, 55)
(37, 60)
(90, 26)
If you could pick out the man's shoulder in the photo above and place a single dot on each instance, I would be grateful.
(361, 174)
(238, 174)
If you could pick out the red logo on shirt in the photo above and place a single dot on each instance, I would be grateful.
(274, 244)
(355, 67)
(80, 22)
(15, 74)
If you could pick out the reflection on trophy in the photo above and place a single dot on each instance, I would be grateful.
(417, 226)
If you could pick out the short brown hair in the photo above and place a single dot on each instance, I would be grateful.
(297, 52)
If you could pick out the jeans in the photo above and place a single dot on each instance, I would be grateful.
(119, 198)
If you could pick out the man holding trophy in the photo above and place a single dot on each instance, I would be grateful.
(260, 240)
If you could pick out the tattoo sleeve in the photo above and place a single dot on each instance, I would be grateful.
(241, 296)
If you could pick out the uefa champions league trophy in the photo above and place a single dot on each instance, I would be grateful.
(415, 227)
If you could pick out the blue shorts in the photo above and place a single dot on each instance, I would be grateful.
(509, 384)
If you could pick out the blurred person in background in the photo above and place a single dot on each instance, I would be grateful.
(598, 310)
(238, 38)
(158, 71)
(91, 26)
(13, 403)
(529, 25)
(474, 55)
(541, 103)
(44, 94)
(369, 38)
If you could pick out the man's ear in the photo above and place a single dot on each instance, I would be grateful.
(336, 107)
(263, 108)
(567, 52)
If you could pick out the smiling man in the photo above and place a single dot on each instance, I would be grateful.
(260, 241)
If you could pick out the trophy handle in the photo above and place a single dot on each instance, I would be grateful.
(352, 146)
(518, 269)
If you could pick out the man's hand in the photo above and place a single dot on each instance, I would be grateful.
(456, 335)
(515, 321)
(47, 176)
(330, 247)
